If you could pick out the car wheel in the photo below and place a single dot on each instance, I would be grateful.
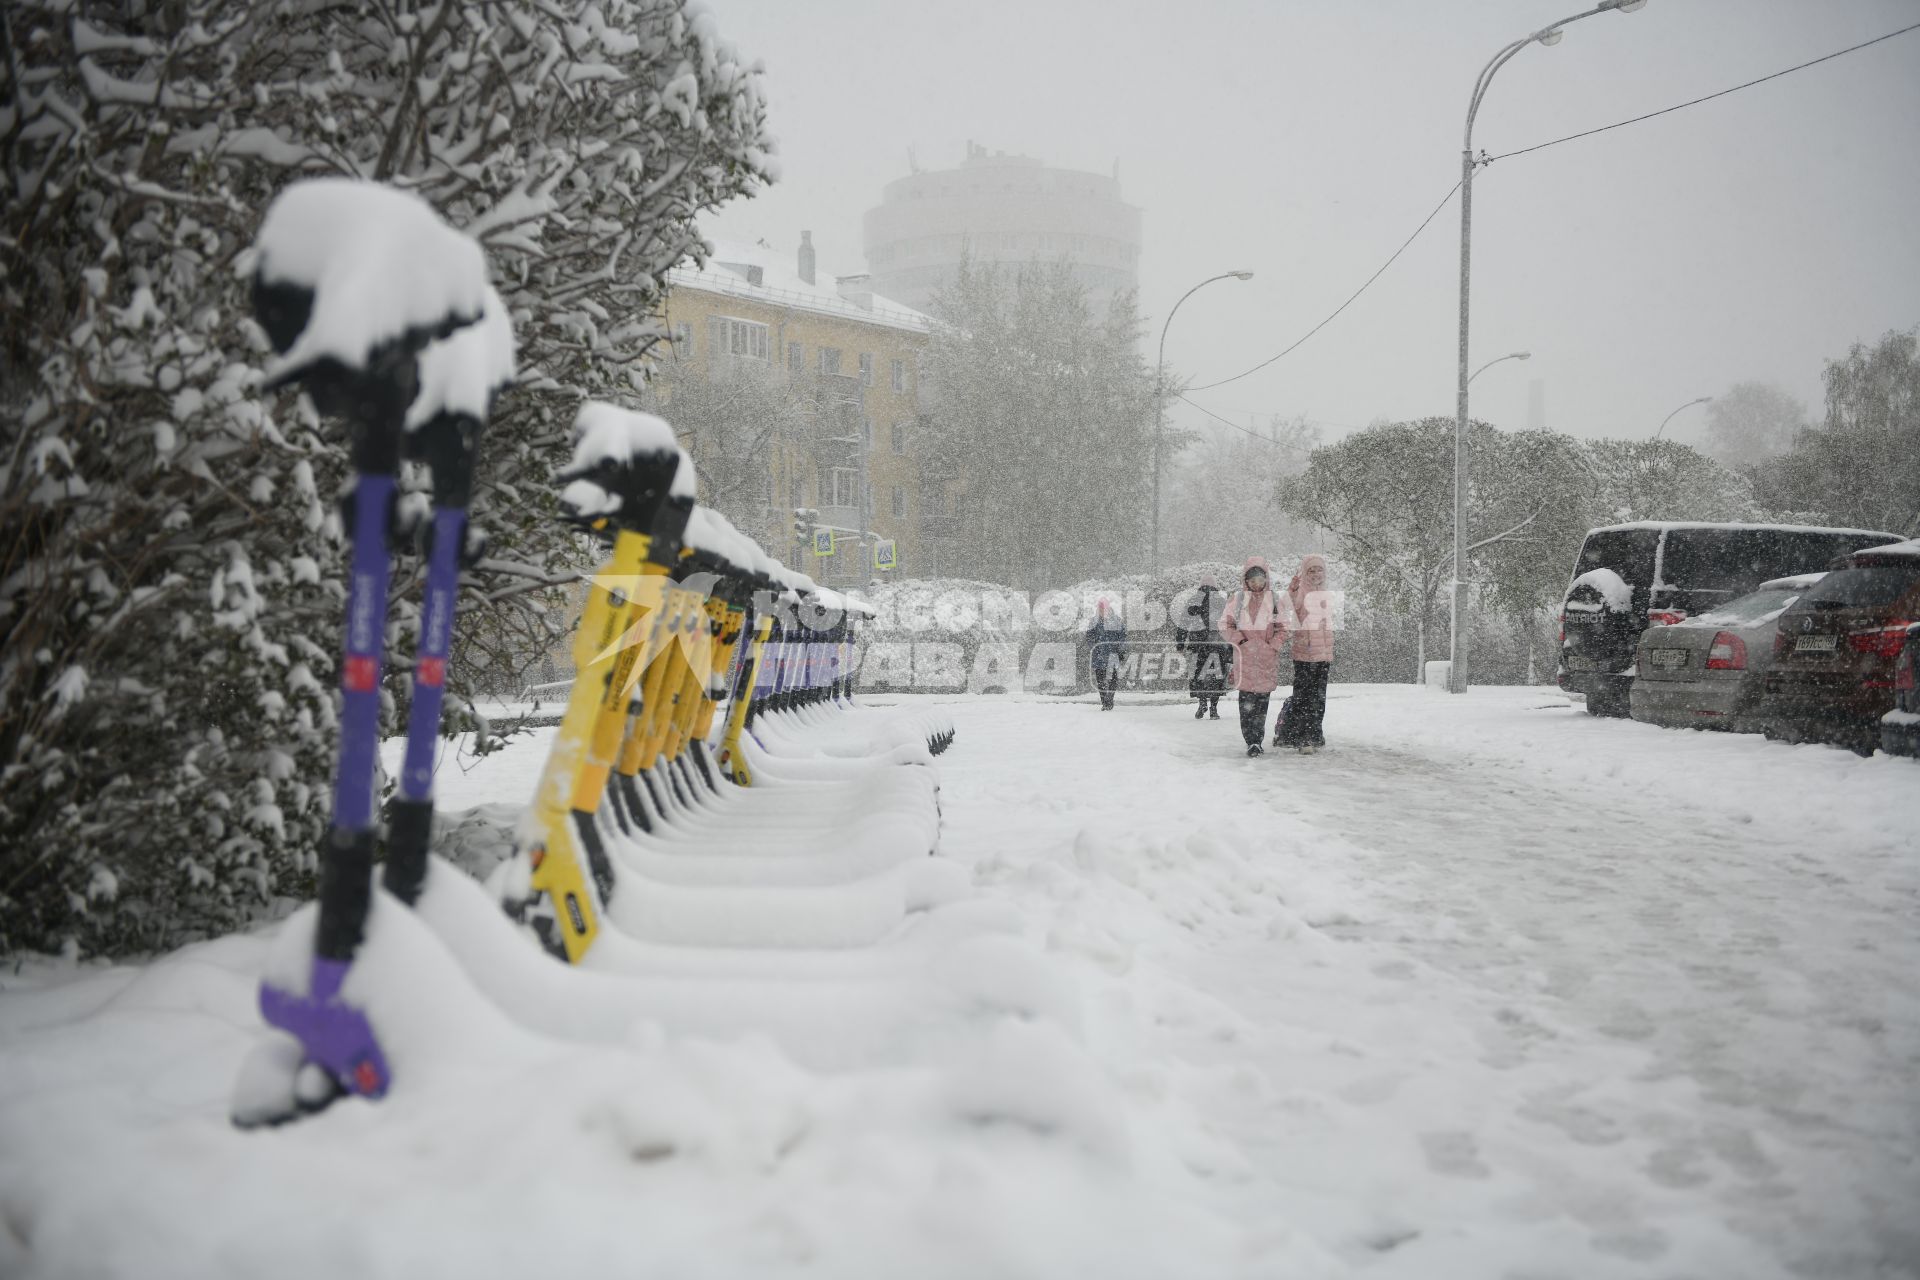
(1608, 700)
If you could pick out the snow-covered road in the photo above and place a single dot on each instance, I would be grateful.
(1490, 988)
(1598, 994)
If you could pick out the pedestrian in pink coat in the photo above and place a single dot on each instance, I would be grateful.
(1311, 607)
(1255, 625)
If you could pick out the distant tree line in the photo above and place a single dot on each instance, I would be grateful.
(1385, 494)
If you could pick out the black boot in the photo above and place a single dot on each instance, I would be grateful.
(1253, 749)
(1200, 709)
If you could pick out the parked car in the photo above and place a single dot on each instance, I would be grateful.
(1706, 672)
(1835, 649)
(1632, 576)
(1900, 727)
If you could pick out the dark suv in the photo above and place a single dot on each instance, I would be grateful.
(1835, 652)
(1632, 576)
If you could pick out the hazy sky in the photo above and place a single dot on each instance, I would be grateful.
(1751, 237)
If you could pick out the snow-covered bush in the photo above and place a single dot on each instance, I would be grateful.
(171, 585)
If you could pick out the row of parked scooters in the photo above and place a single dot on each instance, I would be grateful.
(714, 808)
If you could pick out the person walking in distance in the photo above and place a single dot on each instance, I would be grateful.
(1311, 607)
(1106, 639)
(1253, 624)
(1198, 638)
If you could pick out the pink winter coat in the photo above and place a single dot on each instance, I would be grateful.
(1312, 612)
(1255, 627)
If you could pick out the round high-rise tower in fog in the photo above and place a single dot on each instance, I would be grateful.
(1011, 211)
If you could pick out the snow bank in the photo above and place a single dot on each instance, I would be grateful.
(380, 264)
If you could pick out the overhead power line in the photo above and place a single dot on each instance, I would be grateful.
(1541, 146)
(1245, 431)
(1343, 306)
(1681, 106)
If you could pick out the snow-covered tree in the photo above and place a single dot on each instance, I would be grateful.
(1386, 493)
(1046, 409)
(1221, 502)
(171, 583)
(1664, 480)
(1751, 422)
(1860, 466)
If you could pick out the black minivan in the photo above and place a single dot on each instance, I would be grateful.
(1656, 572)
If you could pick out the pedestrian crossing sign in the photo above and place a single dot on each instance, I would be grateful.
(883, 554)
(823, 542)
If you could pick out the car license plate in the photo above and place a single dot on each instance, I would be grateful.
(1814, 644)
(1575, 663)
(1669, 659)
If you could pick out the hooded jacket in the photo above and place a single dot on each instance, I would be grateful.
(1312, 611)
(1253, 624)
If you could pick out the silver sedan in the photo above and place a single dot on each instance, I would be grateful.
(1705, 672)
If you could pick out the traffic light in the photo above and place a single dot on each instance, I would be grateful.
(803, 522)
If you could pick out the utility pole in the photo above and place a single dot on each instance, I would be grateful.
(1549, 35)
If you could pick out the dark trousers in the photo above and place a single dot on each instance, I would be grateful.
(1309, 705)
(1253, 717)
(1106, 678)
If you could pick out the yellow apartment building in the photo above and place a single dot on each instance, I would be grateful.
(849, 363)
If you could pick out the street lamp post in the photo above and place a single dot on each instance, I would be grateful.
(1511, 355)
(1548, 35)
(1160, 401)
(1669, 418)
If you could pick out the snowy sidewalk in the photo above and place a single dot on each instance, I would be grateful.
(1489, 988)
(1541, 994)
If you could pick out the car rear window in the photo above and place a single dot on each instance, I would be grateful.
(1747, 609)
(1741, 559)
(1628, 552)
(1864, 588)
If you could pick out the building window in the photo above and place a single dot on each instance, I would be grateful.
(899, 436)
(741, 339)
(830, 360)
(866, 368)
(846, 487)
(899, 501)
(899, 375)
(795, 363)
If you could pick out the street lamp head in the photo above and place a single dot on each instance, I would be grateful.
(1523, 355)
(1241, 275)
(1632, 6)
(1550, 37)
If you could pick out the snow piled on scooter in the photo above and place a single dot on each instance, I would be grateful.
(461, 373)
(379, 261)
